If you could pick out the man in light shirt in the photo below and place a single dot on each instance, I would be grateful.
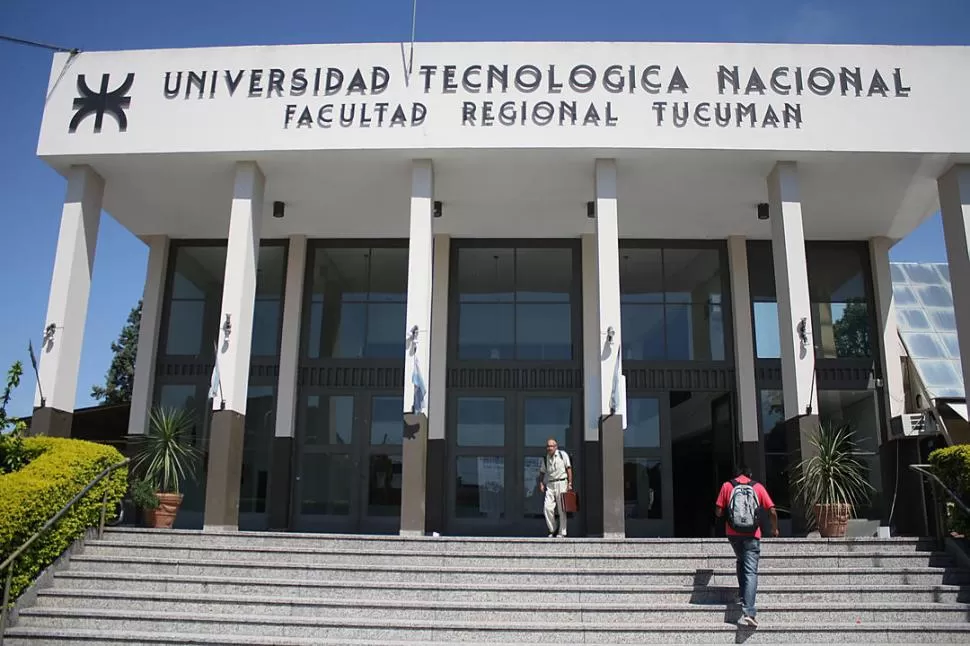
(555, 479)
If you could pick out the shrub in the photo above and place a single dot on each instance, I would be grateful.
(34, 494)
(952, 465)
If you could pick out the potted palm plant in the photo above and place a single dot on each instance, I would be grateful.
(166, 457)
(832, 482)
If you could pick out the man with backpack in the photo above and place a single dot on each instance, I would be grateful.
(741, 502)
(555, 479)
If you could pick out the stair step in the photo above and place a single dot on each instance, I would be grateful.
(514, 592)
(540, 577)
(133, 628)
(426, 558)
(517, 546)
(218, 606)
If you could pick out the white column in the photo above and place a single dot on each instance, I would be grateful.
(791, 287)
(149, 330)
(290, 337)
(608, 272)
(954, 187)
(892, 367)
(235, 347)
(612, 404)
(420, 262)
(592, 344)
(67, 305)
(239, 287)
(744, 356)
(417, 355)
(439, 338)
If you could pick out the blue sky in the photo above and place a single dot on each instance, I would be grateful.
(32, 193)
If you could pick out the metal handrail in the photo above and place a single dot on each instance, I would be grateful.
(926, 470)
(8, 564)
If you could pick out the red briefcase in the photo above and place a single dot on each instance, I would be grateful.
(570, 502)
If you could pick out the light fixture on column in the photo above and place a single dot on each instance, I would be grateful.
(591, 210)
(279, 209)
(436, 212)
(763, 211)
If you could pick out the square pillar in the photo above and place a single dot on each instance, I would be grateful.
(744, 356)
(233, 351)
(67, 306)
(592, 348)
(417, 351)
(954, 187)
(794, 314)
(143, 383)
(281, 461)
(890, 359)
(612, 404)
(437, 465)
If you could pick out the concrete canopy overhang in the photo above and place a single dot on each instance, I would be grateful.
(521, 193)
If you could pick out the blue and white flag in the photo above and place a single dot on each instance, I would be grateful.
(417, 380)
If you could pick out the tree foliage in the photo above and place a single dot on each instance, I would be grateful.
(121, 373)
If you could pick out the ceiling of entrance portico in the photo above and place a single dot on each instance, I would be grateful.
(534, 193)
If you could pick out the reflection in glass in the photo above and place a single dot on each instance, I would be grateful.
(326, 479)
(387, 421)
(859, 411)
(944, 320)
(481, 421)
(642, 494)
(934, 296)
(514, 303)
(643, 332)
(923, 345)
(194, 300)
(772, 416)
(547, 417)
(486, 331)
(533, 498)
(919, 273)
(185, 397)
(543, 332)
(951, 344)
(329, 420)
(844, 329)
(384, 485)
(912, 319)
(480, 487)
(643, 425)
(268, 307)
(903, 295)
(766, 339)
(670, 304)
(258, 436)
(357, 303)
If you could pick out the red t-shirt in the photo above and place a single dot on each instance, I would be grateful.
(725, 496)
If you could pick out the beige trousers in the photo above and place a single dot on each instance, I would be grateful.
(554, 492)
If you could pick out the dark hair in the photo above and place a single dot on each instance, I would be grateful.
(744, 470)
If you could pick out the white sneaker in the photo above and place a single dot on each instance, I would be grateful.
(747, 622)
(551, 536)
(560, 536)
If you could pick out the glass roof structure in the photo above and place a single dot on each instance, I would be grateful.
(924, 313)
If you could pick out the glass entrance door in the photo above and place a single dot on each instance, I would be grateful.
(349, 463)
(497, 443)
(647, 489)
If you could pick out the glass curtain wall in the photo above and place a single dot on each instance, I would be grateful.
(189, 333)
(842, 329)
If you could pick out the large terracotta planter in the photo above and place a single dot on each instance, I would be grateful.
(168, 507)
(833, 519)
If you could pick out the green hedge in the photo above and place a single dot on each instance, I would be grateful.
(952, 465)
(34, 494)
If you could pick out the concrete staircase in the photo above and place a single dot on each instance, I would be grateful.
(148, 587)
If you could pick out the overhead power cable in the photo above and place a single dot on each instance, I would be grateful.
(32, 43)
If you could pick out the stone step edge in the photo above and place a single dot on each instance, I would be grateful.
(897, 540)
(453, 569)
(765, 554)
(126, 637)
(491, 587)
(488, 605)
(189, 618)
(241, 640)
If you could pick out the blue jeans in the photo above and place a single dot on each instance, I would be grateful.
(748, 550)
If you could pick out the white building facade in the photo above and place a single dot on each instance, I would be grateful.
(411, 267)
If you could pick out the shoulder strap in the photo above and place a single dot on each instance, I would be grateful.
(734, 483)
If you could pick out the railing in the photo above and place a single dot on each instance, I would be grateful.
(926, 471)
(8, 564)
